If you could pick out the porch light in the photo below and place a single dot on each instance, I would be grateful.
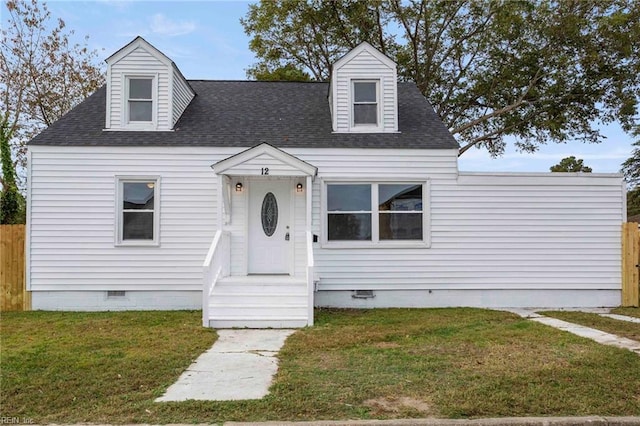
(299, 187)
(239, 187)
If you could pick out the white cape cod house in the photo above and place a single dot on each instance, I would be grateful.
(259, 200)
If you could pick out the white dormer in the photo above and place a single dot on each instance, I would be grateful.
(364, 92)
(145, 89)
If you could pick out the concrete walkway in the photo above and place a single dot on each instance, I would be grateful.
(240, 365)
(580, 330)
(621, 318)
(505, 421)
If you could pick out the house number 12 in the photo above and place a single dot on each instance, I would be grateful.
(265, 171)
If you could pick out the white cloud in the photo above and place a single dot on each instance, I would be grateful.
(161, 25)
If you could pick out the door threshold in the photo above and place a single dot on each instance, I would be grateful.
(271, 274)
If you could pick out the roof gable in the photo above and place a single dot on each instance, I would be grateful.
(136, 43)
(284, 164)
(358, 50)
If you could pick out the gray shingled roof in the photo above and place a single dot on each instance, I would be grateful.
(246, 113)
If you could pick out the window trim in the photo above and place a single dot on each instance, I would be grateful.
(120, 180)
(365, 127)
(375, 215)
(145, 125)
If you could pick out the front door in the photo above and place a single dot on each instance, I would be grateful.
(270, 233)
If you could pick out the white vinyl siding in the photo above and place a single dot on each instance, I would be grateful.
(182, 96)
(364, 66)
(138, 63)
(500, 232)
(73, 249)
(538, 232)
(73, 220)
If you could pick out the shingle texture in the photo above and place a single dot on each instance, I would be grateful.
(246, 113)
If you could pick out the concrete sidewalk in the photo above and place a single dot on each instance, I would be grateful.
(500, 421)
(580, 330)
(621, 318)
(240, 365)
(507, 421)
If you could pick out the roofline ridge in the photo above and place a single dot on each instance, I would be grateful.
(254, 81)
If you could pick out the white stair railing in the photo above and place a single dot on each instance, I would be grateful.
(310, 278)
(216, 265)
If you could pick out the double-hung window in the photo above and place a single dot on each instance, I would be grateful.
(138, 209)
(140, 95)
(365, 103)
(371, 214)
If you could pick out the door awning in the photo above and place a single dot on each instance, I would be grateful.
(262, 160)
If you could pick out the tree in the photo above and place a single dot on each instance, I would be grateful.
(43, 75)
(285, 73)
(631, 171)
(12, 208)
(631, 167)
(572, 165)
(536, 70)
(633, 202)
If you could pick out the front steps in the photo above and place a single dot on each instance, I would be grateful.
(259, 301)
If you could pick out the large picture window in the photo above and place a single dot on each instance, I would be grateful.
(138, 211)
(376, 213)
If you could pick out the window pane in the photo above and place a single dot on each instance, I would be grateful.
(140, 88)
(364, 92)
(349, 198)
(400, 197)
(400, 226)
(137, 226)
(138, 195)
(365, 114)
(140, 110)
(350, 226)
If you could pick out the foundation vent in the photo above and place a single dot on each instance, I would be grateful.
(363, 294)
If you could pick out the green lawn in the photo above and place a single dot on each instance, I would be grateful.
(626, 329)
(453, 363)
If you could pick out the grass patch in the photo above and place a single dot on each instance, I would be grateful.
(94, 367)
(630, 312)
(626, 329)
(386, 363)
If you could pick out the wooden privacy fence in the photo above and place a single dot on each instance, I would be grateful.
(13, 296)
(630, 264)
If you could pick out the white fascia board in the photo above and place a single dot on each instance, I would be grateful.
(542, 174)
(134, 44)
(364, 46)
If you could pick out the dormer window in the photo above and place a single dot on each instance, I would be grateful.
(139, 102)
(364, 92)
(140, 99)
(365, 103)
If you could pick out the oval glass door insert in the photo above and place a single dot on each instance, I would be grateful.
(269, 214)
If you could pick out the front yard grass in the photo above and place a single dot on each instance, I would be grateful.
(620, 328)
(386, 363)
(630, 312)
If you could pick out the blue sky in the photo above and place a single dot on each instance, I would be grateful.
(206, 41)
